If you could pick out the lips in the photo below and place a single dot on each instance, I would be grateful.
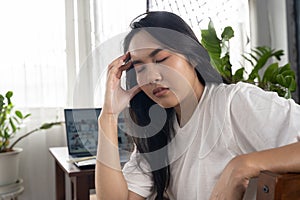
(160, 91)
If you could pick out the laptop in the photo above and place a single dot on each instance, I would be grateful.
(82, 136)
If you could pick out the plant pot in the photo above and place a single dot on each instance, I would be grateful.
(9, 166)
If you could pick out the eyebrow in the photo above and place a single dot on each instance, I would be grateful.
(152, 54)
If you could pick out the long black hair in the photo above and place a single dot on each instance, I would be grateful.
(175, 34)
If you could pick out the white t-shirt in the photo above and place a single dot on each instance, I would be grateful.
(229, 120)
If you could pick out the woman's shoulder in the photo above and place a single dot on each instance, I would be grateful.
(241, 89)
(227, 90)
(230, 88)
(246, 95)
(240, 94)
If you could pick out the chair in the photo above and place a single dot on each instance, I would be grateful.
(275, 186)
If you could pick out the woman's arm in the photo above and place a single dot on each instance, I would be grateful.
(110, 182)
(236, 175)
(108, 169)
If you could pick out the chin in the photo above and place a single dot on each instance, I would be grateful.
(167, 104)
(166, 101)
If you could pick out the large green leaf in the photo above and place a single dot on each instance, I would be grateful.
(269, 73)
(213, 45)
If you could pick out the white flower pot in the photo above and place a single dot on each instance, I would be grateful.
(9, 166)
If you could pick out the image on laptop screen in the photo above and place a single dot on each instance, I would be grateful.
(82, 131)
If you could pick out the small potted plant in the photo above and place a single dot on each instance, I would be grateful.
(11, 122)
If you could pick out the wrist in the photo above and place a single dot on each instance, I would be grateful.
(245, 166)
(108, 117)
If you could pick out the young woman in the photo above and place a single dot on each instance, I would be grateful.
(195, 137)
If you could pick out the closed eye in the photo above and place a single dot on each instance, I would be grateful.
(161, 60)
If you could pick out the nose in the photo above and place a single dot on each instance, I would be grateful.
(154, 75)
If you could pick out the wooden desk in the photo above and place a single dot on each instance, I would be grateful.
(81, 180)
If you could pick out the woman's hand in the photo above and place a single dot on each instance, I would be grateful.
(116, 98)
(234, 180)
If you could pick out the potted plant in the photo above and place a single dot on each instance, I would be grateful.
(270, 77)
(11, 122)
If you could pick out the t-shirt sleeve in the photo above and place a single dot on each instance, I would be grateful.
(262, 120)
(138, 177)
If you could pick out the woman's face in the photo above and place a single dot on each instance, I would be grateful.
(165, 76)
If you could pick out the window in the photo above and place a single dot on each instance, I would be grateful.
(32, 52)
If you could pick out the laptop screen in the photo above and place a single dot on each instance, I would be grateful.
(82, 130)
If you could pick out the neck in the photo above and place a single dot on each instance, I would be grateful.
(187, 106)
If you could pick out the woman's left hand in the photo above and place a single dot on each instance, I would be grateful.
(234, 180)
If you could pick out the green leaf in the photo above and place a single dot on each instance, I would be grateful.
(49, 125)
(212, 44)
(270, 72)
(211, 48)
(13, 126)
(19, 114)
(261, 62)
(27, 115)
(253, 75)
(284, 68)
(288, 80)
(1, 98)
(264, 49)
(228, 33)
(9, 94)
(278, 54)
(288, 73)
(280, 79)
(210, 38)
(46, 126)
(1, 102)
(292, 85)
(239, 75)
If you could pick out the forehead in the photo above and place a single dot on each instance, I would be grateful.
(142, 42)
